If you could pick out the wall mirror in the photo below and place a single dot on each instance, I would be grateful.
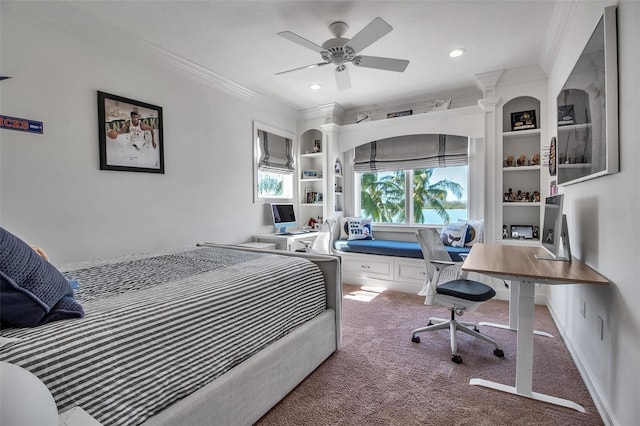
(587, 141)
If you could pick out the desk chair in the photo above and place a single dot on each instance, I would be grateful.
(323, 243)
(443, 286)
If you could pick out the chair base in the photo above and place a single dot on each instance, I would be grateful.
(454, 325)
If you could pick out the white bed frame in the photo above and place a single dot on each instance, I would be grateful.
(248, 391)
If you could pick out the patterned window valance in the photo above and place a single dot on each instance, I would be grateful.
(276, 153)
(412, 152)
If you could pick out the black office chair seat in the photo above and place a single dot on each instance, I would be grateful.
(474, 291)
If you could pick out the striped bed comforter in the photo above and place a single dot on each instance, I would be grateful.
(158, 327)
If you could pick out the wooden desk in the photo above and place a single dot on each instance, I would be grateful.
(518, 264)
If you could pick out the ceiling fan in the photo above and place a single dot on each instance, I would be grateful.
(338, 51)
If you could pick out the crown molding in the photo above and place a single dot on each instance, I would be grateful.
(561, 18)
(74, 21)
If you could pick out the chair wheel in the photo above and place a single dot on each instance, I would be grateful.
(476, 329)
(457, 359)
(498, 353)
(415, 339)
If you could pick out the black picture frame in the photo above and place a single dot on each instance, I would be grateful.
(566, 115)
(400, 113)
(141, 149)
(523, 120)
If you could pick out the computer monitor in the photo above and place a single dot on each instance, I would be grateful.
(555, 235)
(283, 217)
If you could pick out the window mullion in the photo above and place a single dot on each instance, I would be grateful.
(408, 194)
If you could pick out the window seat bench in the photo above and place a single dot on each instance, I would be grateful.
(393, 248)
(395, 265)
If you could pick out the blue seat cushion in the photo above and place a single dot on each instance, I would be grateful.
(474, 291)
(393, 248)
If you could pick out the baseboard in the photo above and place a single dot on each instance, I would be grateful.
(599, 400)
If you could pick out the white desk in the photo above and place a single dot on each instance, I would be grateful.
(288, 242)
(518, 264)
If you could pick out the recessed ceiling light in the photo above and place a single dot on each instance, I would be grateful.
(456, 52)
(315, 87)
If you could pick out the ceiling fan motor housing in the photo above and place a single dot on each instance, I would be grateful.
(337, 52)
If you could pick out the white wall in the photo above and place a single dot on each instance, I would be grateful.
(52, 192)
(603, 216)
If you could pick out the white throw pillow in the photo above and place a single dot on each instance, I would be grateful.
(453, 234)
(359, 228)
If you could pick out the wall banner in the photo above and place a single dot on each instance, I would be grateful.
(21, 124)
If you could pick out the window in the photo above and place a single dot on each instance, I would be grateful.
(275, 185)
(274, 164)
(413, 179)
(433, 195)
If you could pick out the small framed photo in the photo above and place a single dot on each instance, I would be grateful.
(566, 115)
(522, 231)
(523, 120)
(338, 168)
(400, 113)
(130, 135)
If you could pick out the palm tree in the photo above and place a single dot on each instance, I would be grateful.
(431, 196)
(383, 198)
(268, 185)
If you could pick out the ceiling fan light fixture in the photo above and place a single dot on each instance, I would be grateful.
(457, 52)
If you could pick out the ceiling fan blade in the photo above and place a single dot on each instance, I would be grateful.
(343, 80)
(301, 68)
(369, 34)
(301, 41)
(388, 64)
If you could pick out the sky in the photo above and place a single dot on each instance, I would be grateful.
(456, 174)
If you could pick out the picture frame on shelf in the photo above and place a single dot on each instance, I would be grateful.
(522, 232)
(523, 120)
(338, 168)
(130, 135)
(566, 115)
(400, 113)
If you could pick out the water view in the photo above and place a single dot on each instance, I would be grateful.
(432, 218)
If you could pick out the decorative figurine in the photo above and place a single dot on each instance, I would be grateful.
(522, 160)
(535, 160)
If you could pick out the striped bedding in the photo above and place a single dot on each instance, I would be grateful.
(160, 326)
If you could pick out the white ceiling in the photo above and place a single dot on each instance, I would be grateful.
(237, 40)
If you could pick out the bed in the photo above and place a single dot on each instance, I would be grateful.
(207, 335)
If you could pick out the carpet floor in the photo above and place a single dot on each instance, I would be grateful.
(379, 377)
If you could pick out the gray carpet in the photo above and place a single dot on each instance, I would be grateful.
(379, 377)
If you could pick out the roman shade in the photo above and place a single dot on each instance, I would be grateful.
(276, 153)
(412, 152)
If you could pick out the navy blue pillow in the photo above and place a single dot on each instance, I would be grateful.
(32, 291)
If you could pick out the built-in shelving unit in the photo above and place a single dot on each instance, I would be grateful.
(312, 172)
(520, 157)
(338, 188)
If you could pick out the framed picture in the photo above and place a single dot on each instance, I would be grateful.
(523, 120)
(130, 135)
(566, 115)
(522, 231)
(399, 113)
